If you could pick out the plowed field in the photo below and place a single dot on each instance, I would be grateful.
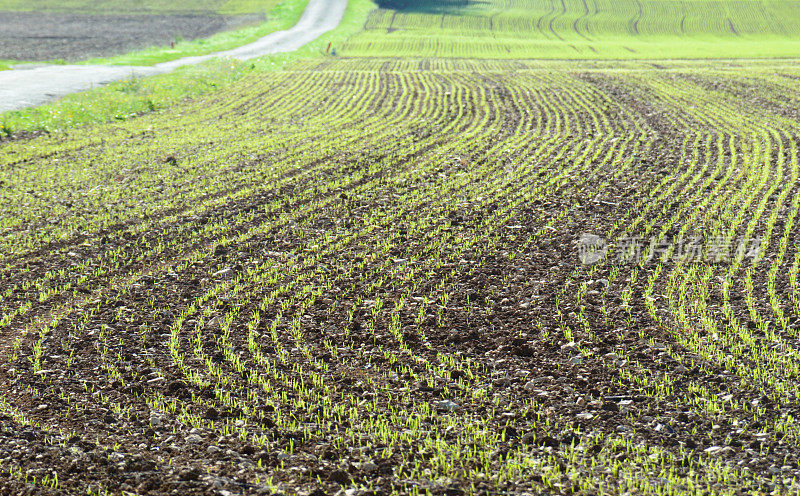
(371, 274)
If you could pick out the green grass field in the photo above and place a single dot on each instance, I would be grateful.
(583, 29)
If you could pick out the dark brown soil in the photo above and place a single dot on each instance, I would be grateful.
(72, 37)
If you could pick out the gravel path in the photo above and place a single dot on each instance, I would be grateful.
(27, 87)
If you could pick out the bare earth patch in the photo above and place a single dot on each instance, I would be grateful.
(47, 36)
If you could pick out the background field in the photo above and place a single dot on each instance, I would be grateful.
(581, 29)
(137, 34)
(116, 7)
(497, 29)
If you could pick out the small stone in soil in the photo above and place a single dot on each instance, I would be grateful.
(222, 273)
(194, 439)
(446, 405)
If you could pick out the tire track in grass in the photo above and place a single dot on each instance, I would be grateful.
(635, 21)
(583, 17)
(732, 27)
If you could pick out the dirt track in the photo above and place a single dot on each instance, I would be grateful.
(48, 36)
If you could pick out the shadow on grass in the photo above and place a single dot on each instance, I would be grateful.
(453, 7)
